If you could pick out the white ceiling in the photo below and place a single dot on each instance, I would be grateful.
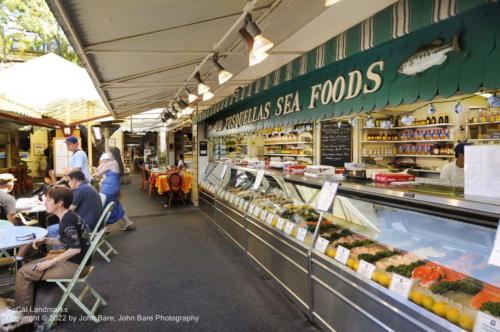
(139, 53)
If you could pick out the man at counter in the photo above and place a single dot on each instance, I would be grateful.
(79, 161)
(454, 170)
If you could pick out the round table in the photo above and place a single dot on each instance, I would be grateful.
(30, 205)
(10, 238)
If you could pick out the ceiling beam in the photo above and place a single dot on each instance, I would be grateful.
(182, 52)
(144, 34)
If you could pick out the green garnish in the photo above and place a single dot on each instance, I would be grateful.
(403, 269)
(467, 286)
(357, 243)
(492, 307)
(372, 258)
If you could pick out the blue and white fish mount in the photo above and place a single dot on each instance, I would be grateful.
(430, 55)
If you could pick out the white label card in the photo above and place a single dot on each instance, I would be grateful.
(301, 234)
(281, 223)
(256, 211)
(321, 244)
(326, 196)
(245, 205)
(263, 215)
(366, 269)
(240, 202)
(495, 252)
(400, 285)
(270, 218)
(224, 169)
(289, 227)
(258, 179)
(342, 255)
(486, 323)
(250, 209)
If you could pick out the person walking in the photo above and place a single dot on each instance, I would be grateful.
(110, 186)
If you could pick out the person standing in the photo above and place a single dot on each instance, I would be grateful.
(180, 162)
(79, 161)
(110, 186)
(454, 170)
(73, 235)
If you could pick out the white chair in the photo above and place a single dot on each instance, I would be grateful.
(105, 249)
(103, 199)
(80, 277)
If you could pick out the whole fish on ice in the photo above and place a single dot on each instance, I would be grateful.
(428, 56)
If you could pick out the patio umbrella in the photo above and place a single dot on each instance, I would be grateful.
(46, 83)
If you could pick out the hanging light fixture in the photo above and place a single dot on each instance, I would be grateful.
(329, 3)
(202, 87)
(224, 75)
(255, 56)
(208, 95)
(191, 96)
(260, 44)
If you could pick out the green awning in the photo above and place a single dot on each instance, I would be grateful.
(476, 65)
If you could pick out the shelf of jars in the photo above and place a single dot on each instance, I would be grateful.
(416, 141)
(288, 154)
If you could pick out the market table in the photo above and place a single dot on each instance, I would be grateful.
(33, 205)
(14, 236)
(162, 183)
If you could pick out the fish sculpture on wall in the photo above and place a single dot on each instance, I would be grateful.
(433, 54)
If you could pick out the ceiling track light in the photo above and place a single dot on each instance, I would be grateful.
(208, 95)
(224, 75)
(202, 87)
(191, 96)
(329, 3)
(260, 44)
(182, 104)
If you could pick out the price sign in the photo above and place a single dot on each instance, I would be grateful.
(326, 196)
(240, 203)
(219, 192)
(321, 244)
(400, 285)
(281, 223)
(269, 219)
(263, 215)
(256, 211)
(250, 209)
(289, 227)
(233, 199)
(486, 323)
(342, 255)
(301, 234)
(226, 195)
(245, 205)
(495, 252)
(258, 179)
(366, 269)
(224, 169)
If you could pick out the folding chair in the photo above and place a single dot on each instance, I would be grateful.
(104, 252)
(26, 222)
(103, 198)
(80, 277)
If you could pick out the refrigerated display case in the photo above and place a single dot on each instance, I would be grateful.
(380, 259)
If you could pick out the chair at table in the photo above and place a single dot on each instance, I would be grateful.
(175, 187)
(80, 277)
(145, 175)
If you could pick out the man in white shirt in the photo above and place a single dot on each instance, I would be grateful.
(454, 170)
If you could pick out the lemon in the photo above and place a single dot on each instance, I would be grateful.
(375, 276)
(466, 322)
(331, 252)
(416, 297)
(274, 222)
(384, 280)
(294, 232)
(350, 263)
(453, 314)
(356, 265)
(440, 308)
(428, 302)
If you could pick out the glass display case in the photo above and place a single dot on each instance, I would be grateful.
(378, 259)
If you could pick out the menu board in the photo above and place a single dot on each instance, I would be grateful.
(336, 143)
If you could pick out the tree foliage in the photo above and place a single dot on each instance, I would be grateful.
(29, 26)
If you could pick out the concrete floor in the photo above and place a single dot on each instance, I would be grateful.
(176, 264)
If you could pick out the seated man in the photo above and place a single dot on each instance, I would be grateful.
(8, 208)
(86, 202)
(73, 235)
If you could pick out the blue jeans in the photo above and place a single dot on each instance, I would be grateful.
(53, 233)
